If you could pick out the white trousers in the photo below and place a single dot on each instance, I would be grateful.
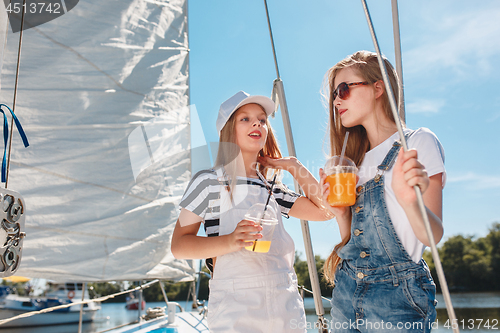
(263, 304)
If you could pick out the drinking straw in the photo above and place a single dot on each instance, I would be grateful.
(269, 196)
(344, 146)
(265, 207)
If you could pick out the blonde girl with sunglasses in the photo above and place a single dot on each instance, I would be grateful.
(380, 280)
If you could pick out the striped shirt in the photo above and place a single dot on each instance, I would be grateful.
(202, 197)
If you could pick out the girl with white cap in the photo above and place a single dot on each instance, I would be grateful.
(249, 291)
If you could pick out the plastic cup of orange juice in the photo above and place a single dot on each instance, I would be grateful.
(267, 219)
(341, 175)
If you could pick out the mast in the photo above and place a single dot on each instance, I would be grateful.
(279, 92)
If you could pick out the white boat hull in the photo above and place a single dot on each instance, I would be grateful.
(52, 318)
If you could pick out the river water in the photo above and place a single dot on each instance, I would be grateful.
(476, 312)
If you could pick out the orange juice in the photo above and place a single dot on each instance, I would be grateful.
(342, 189)
(265, 216)
(260, 246)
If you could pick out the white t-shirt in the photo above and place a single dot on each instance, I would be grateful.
(430, 154)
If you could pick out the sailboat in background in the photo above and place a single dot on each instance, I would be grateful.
(12, 305)
(104, 98)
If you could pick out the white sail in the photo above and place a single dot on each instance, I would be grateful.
(103, 98)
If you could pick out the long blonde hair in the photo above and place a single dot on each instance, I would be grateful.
(228, 150)
(366, 65)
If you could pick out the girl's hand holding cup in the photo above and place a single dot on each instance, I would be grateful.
(340, 212)
(341, 174)
(245, 234)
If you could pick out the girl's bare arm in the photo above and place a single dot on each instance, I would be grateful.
(186, 244)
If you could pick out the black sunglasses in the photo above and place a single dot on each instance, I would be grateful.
(342, 89)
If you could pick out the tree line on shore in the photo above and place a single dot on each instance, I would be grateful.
(469, 263)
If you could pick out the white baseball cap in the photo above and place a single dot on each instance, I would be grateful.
(238, 100)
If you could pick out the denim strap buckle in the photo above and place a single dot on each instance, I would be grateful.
(390, 157)
(395, 281)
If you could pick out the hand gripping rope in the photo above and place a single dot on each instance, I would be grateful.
(392, 100)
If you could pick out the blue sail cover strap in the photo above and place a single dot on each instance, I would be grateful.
(6, 138)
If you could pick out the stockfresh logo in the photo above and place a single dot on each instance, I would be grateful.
(36, 12)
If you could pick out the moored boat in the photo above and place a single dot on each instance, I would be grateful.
(133, 303)
(12, 305)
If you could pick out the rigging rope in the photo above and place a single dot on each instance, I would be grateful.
(272, 41)
(97, 300)
(311, 292)
(399, 61)
(435, 254)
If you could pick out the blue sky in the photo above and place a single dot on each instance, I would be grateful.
(450, 71)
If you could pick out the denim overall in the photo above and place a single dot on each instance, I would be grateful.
(378, 287)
